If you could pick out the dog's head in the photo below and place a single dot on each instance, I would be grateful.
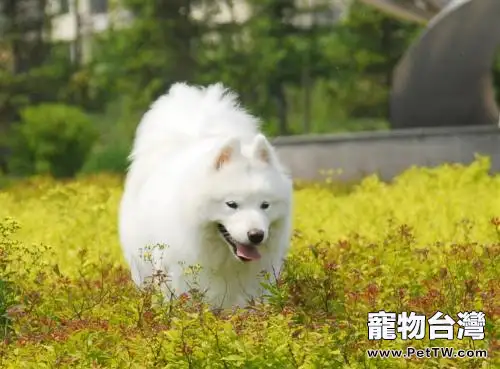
(249, 199)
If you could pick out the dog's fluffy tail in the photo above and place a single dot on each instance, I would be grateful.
(189, 113)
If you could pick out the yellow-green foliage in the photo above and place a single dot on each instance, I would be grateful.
(428, 241)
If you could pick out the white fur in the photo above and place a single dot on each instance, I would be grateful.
(174, 195)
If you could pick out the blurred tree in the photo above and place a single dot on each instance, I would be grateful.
(372, 44)
(22, 50)
(166, 33)
(264, 56)
(272, 29)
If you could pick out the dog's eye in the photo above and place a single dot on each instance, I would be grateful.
(232, 204)
(264, 205)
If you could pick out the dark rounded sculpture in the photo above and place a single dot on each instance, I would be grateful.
(445, 78)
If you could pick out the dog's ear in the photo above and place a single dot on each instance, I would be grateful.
(261, 149)
(227, 153)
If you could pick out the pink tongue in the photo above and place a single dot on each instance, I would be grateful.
(247, 252)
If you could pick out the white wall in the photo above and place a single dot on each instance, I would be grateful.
(386, 153)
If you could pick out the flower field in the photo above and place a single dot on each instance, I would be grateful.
(427, 242)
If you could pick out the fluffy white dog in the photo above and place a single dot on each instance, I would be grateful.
(207, 185)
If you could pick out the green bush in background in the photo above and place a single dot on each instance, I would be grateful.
(111, 158)
(116, 127)
(51, 139)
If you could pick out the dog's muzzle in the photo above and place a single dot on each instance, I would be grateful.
(244, 252)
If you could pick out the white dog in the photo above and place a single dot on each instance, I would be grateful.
(206, 186)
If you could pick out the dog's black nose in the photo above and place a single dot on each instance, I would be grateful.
(255, 236)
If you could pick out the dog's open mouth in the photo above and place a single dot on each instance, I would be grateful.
(242, 251)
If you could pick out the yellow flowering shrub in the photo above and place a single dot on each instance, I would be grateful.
(428, 241)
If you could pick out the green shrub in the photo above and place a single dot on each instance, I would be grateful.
(7, 300)
(51, 139)
(111, 158)
(117, 127)
(7, 288)
(20, 264)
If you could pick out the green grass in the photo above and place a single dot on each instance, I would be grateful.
(428, 241)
